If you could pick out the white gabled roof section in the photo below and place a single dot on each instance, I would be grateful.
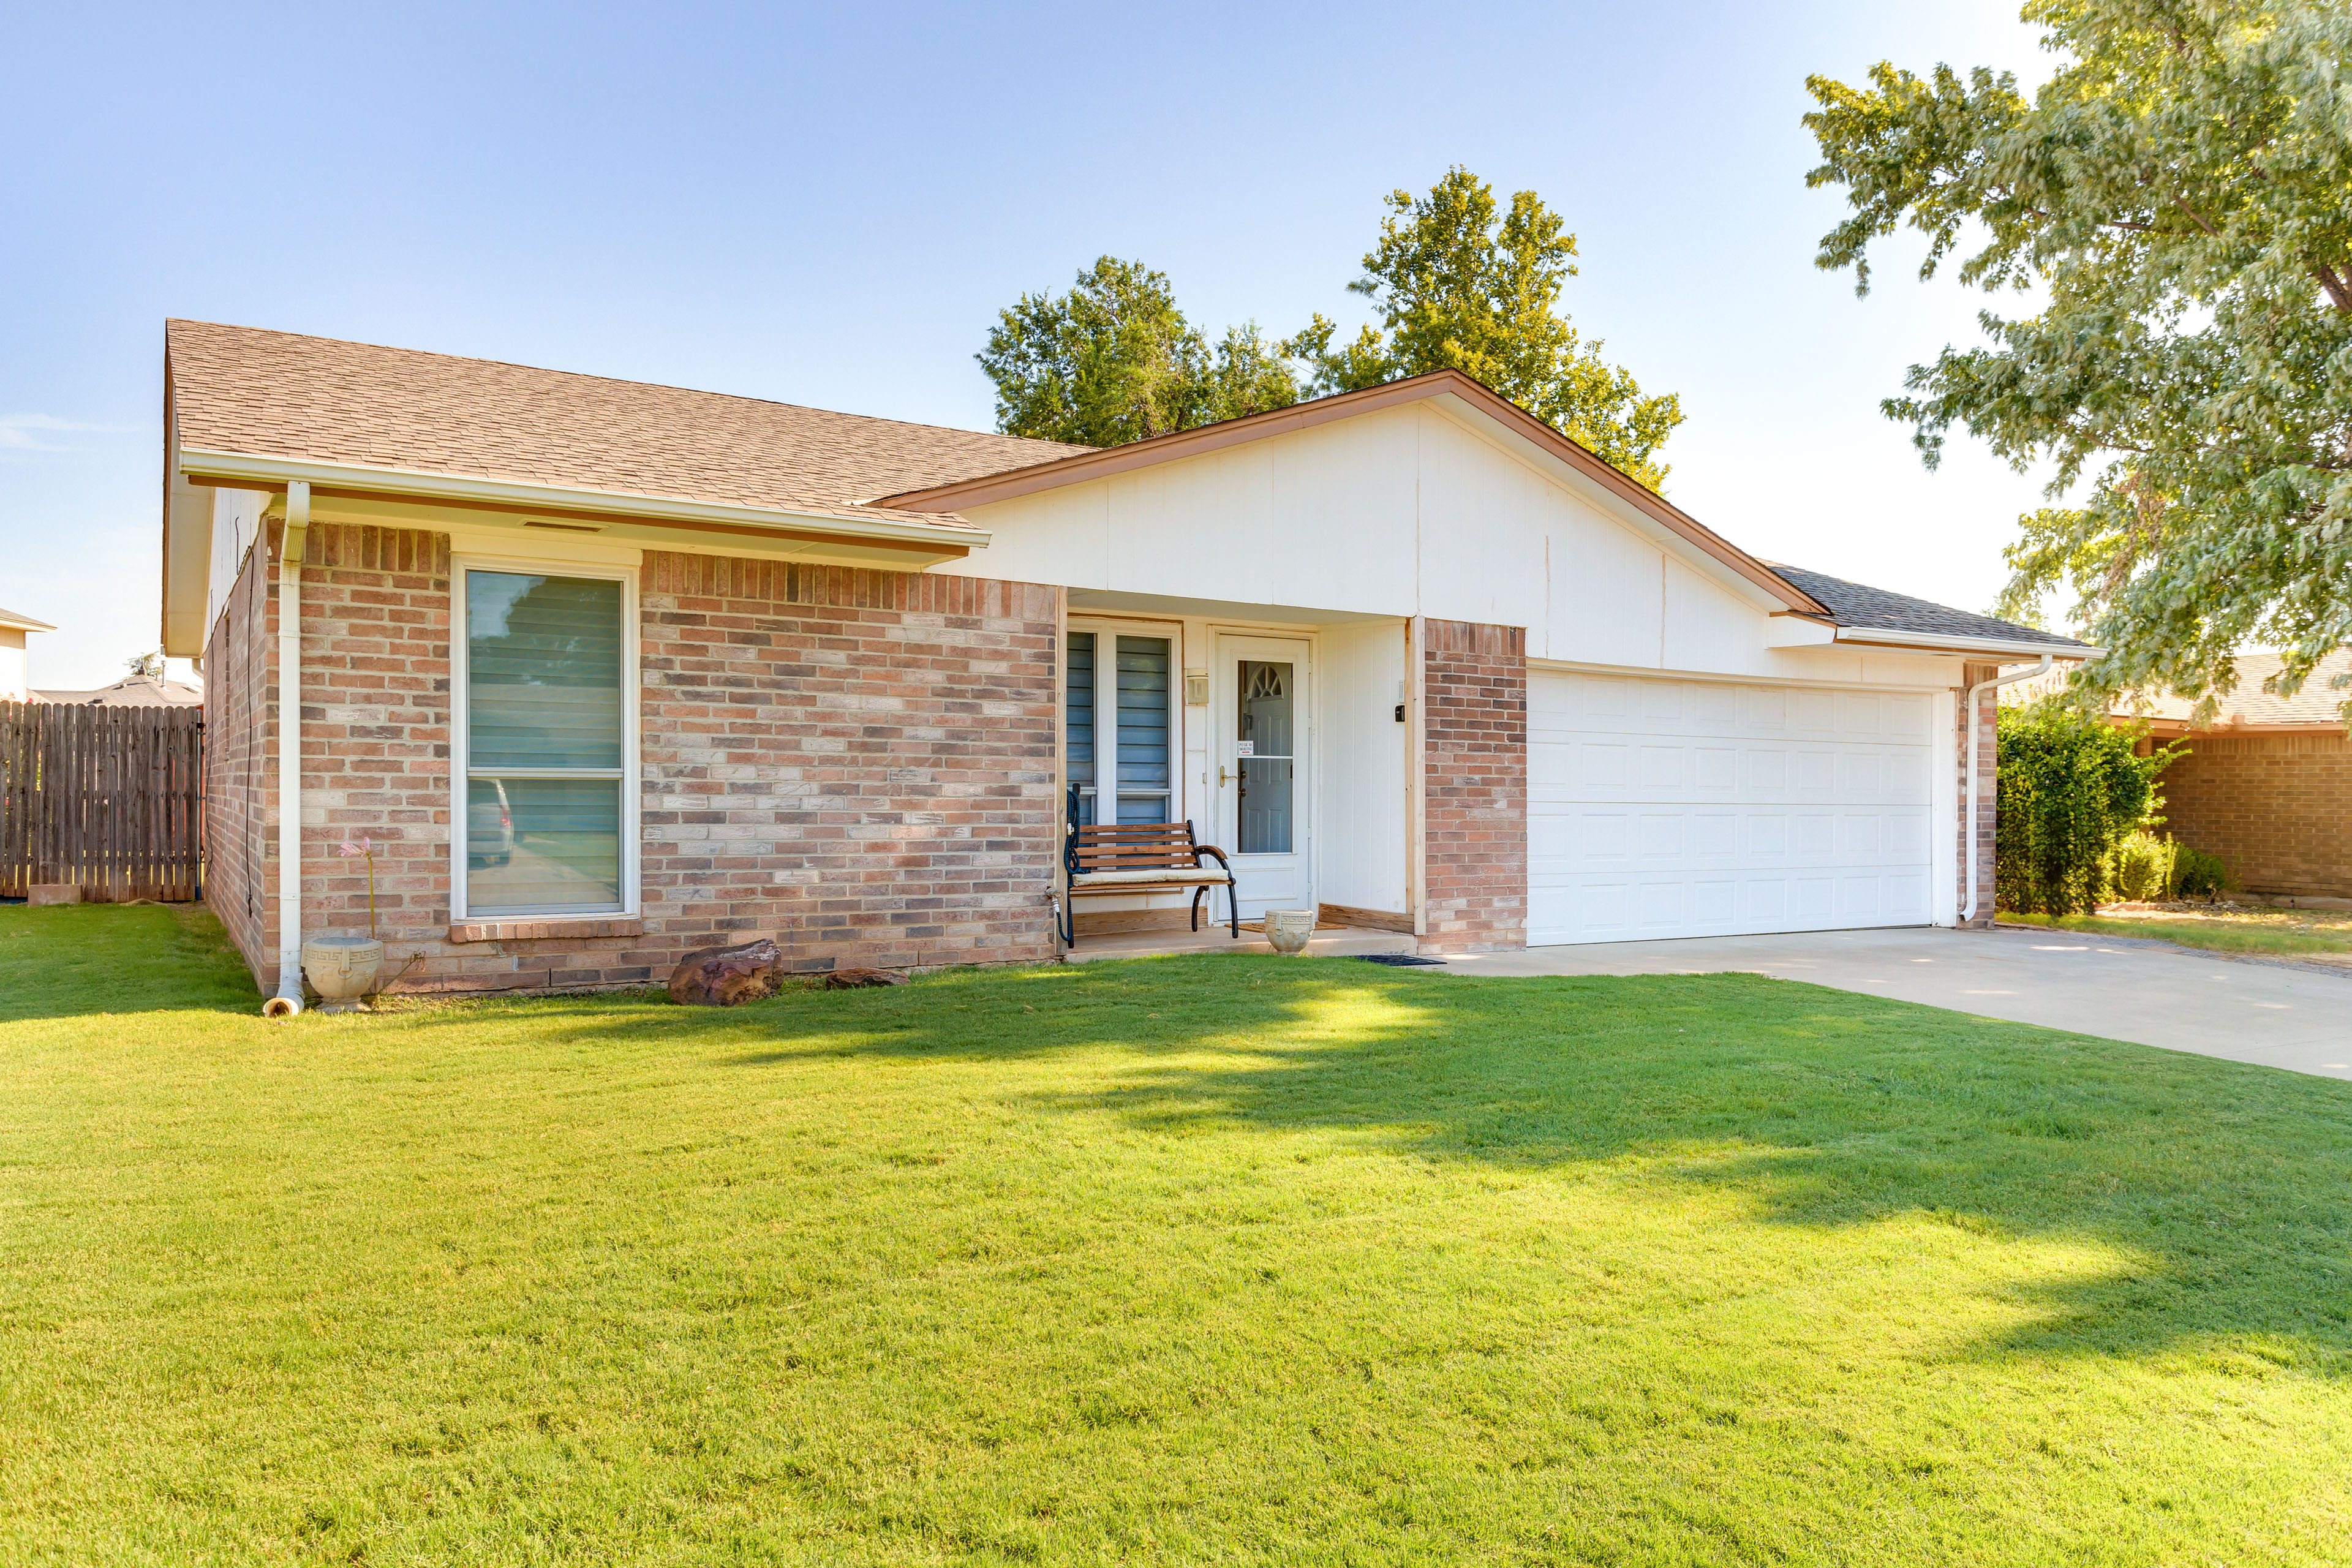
(1464, 402)
(1722, 566)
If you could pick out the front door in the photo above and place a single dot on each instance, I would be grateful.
(1262, 755)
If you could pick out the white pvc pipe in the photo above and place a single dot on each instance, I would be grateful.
(288, 1003)
(1968, 829)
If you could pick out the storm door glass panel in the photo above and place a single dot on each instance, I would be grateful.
(1144, 765)
(544, 729)
(1265, 756)
(1078, 720)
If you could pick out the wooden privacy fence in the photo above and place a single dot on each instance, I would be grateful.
(108, 798)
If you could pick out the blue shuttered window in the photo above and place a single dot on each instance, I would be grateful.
(1078, 720)
(1143, 760)
(1119, 726)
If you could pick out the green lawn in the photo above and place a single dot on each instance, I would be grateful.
(2271, 934)
(1213, 1259)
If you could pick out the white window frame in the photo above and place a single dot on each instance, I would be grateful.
(461, 742)
(1106, 634)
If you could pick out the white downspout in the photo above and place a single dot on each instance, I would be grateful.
(1968, 829)
(288, 1003)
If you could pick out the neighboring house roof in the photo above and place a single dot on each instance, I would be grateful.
(1858, 605)
(2246, 706)
(26, 623)
(253, 393)
(133, 691)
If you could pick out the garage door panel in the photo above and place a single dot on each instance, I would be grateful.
(1664, 836)
(1660, 807)
(1636, 769)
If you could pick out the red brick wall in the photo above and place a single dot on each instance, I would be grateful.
(240, 782)
(1988, 769)
(2277, 809)
(858, 763)
(1475, 786)
(375, 745)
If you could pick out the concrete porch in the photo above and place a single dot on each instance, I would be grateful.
(1340, 942)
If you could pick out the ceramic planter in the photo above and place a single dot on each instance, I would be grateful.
(342, 969)
(1286, 931)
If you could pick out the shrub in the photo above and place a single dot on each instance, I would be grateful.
(2142, 868)
(2196, 875)
(2070, 791)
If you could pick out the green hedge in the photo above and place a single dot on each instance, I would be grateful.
(2070, 792)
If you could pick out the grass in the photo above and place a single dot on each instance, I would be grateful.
(1210, 1259)
(2272, 933)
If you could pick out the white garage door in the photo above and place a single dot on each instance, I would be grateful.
(1668, 808)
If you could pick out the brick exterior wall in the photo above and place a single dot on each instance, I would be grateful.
(2277, 809)
(1475, 786)
(858, 763)
(1987, 742)
(240, 780)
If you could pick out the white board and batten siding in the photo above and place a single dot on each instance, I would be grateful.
(1661, 808)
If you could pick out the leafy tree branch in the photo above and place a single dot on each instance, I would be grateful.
(2180, 193)
(1458, 284)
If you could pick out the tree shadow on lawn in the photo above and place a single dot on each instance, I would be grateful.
(2227, 1188)
(66, 961)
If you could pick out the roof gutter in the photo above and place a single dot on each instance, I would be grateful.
(237, 469)
(1939, 642)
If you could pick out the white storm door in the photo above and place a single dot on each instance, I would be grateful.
(1261, 754)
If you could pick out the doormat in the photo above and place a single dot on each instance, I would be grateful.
(1402, 960)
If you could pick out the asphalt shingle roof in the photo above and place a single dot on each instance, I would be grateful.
(136, 692)
(279, 394)
(1858, 605)
(2247, 704)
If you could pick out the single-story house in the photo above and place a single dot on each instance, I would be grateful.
(2267, 783)
(608, 672)
(13, 629)
(132, 691)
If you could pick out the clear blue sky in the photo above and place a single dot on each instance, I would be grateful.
(827, 204)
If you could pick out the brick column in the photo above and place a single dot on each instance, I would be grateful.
(1982, 734)
(1473, 786)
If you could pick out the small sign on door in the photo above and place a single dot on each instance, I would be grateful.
(1245, 747)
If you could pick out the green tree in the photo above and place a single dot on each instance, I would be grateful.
(2071, 791)
(2180, 195)
(1461, 285)
(1115, 361)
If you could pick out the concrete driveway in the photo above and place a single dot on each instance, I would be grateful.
(2143, 991)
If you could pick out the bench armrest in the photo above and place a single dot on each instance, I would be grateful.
(1201, 849)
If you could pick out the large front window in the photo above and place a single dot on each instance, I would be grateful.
(1120, 726)
(546, 735)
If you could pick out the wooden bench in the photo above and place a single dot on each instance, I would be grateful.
(1141, 857)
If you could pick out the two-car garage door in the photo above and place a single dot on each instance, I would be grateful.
(1659, 807)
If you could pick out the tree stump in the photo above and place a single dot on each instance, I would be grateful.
(726, 976)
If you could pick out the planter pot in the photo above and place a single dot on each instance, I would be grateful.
(1286, 931)
(342, 969)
